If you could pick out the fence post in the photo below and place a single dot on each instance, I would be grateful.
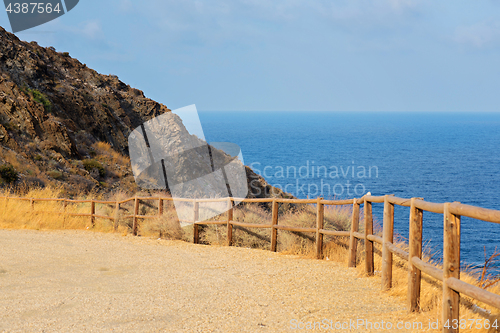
(229, 219)
(451, 267)
(160, 207)
(92, 212)
(388, 237)
(353, 241)
(136, 212)
(368, 243)
(65, 204)
(414, 250)
(320, 217)
(117, 214)
(196, 211)
(32, 204)
(274, 222)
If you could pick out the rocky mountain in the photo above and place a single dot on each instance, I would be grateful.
(63, 124)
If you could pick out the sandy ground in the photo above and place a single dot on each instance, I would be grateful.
(77, 281)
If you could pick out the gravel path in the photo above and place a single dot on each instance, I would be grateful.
(77, 281)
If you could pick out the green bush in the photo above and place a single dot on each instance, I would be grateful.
(41, 98)
(90, 165)
(38, 157)
(8, 173)
(55, 174)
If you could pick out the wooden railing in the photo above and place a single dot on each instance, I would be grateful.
(449, 274)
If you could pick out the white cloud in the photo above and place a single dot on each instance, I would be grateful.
(125, 6)
(478, 35)
(92, 29)
(365, 14)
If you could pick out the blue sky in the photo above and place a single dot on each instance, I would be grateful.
(347, 55)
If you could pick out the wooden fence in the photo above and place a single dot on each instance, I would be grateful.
(449, 275)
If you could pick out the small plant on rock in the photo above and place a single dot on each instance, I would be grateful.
(90, 165)
(8, 173)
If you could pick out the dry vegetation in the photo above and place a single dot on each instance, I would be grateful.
(19, 215)
(102, 169)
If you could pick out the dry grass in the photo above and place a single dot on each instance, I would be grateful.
(105, 150)
(18, 214)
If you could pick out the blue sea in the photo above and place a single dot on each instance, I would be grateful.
(442, 157)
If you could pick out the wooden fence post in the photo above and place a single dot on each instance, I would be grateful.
(160, 207)
(274, 222)
(320, 218)
(117, 214)
(414, 250)
(65, 205)
(136, 212)
(368, 243)
(388, 237)
(32, 204)
(229, 219)
(196, 211)
(451, 267)
(353, 241)
(92, 212)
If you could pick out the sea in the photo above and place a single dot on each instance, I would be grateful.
(441, 157)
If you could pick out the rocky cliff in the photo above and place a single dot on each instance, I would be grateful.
(64, 124)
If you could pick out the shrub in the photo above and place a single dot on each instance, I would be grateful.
(38, 157)
(90, 165)
(41, 98)
(8, 173)
(33, 182)
(66, 54)
(55, 174)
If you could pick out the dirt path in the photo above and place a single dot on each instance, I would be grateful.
(76, 281)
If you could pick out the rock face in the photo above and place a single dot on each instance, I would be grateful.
(79, 97)
(61, 122)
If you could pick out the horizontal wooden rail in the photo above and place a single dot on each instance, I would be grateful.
(358, 235)
(261, 200)
(335, 232)
(429, 206)
(210, 222)
(77, 214)
(397, 251)
(125, 201)
(146, 216)
(294, 229)
(103, 217)
(336, 202)
(376, 239)
(474, 292)
(74, 201)
(250, 225)
(398, 201)
(483, 214)
(105, 202)
(372, 198)
(428, 268)
(43, 199)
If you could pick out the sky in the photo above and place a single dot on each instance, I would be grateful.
(290, 55)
